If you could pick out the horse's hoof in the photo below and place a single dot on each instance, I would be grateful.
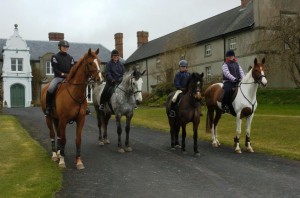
(173, 149)
(106, 141)
(197, 154)
(250, 150)
(54, 157)
(80, 166)
(128, 149)
(62, 165)
(121, 150)
(101, 143)
(178, 146)
(215, 144)
(238, 151)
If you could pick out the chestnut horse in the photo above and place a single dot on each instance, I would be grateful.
(70, 105)
(123, 102)
(243, 104)
(189, 110)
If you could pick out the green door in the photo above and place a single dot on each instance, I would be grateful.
(17, 95)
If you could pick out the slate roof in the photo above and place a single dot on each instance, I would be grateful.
(231, 21)
(39, 48)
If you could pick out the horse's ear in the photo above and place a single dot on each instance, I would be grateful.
(249, 68)
(143, 72)
(89, 52)
(97, 51)
(255, 61)
(202, 74)
(263, 60)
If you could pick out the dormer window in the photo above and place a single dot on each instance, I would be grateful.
(16, 64)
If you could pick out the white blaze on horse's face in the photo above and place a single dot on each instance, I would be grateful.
(98, 68)
(138, 90)
(264, 79)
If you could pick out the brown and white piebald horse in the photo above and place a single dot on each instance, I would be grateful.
(244, 104)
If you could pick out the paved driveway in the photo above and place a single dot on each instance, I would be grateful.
(152, 170)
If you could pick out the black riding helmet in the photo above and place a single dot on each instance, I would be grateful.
(63, 43)
(114, 52)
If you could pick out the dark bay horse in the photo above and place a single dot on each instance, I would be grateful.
(189, 110)
(243, 102)
(70, 105)
(123, 102)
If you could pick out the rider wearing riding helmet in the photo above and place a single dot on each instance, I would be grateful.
(61, 64)
(114, 75)
(180, 82)
(232, 75)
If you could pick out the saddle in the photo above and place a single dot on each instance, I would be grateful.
(232, 94)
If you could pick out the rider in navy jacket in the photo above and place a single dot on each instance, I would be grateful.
(114, 75)
(180, 82)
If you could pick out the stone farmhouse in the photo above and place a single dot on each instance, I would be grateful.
(25, 65)
(205, 43)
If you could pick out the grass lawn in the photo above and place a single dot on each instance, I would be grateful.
(275, 128)
(25, 167)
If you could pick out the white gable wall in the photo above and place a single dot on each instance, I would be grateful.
(16, 48)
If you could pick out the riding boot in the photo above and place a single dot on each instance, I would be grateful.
(49, 97)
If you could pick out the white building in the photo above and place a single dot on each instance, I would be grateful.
(16, 72)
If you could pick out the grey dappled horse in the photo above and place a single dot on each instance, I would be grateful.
(123, 102)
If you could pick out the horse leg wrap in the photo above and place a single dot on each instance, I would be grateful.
(236, 141)
(247, 140)
(53, 145)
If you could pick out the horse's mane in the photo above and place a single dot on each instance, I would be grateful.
(75, 67)
(126, 80)
(193, 78)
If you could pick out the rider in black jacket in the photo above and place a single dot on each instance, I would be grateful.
(61, 63)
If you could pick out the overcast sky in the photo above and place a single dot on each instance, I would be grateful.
(96, 21)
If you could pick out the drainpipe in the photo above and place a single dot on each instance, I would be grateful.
(224, 41)
(147, 76)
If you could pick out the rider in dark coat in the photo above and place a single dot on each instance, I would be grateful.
(232, 75)
(61, 63)
(114, 75)
(180, 82)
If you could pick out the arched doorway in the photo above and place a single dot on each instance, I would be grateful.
(17, 95)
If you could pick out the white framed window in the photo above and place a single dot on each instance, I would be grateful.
(232, 43)
(49, 69)
(16, 64)
(158, 61)
(208, 50)
(208, 73)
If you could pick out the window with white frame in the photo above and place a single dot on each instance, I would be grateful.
(157, 61)
(208, 73)
(208, 50)
(232, 43)
(16, 64)
(49, 69)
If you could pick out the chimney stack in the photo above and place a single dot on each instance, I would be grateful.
(142, 38)
(56, 36)
(244, 3)
(119, 43)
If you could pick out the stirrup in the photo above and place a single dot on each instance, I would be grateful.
(101, 107)
(172, 114)
(87, 111)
